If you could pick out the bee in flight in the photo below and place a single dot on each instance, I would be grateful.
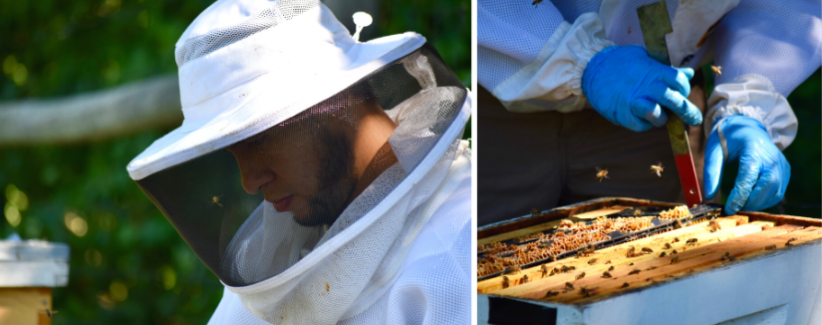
(536, 2)
(717, 70)
(216, 200)
(602, 173)
(48, 312)
(657, 169)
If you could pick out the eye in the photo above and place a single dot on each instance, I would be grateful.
(255, 141)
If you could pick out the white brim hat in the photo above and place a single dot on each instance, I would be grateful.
(230, 91)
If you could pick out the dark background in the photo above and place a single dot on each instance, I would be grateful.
(128, 265)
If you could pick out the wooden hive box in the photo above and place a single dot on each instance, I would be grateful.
(750, 268)
(28, 272)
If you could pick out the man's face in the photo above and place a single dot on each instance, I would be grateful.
(304, 167)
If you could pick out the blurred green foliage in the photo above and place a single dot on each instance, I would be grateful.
(128, 265)
(449, 29)
(804, 193)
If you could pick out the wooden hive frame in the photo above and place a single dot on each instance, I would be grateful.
(737, 239)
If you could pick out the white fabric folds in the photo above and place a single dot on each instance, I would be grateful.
(692, 23)
(754, 96)
(553, 80)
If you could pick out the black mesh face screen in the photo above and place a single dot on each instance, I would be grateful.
(204, 200)
(254, 208)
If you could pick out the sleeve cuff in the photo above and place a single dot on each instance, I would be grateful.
(754, 96)
(553, 80)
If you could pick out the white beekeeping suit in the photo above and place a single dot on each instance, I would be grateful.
(432, 286)
(323, 180)
(531, 57)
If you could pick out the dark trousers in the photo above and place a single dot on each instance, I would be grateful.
(548, 159)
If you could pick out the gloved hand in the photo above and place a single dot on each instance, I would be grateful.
(626, 87)
(763, 170)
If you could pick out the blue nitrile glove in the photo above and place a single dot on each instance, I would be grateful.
(763, 170)
(626, 87)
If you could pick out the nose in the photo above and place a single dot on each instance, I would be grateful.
(253, 182)
(253, 172)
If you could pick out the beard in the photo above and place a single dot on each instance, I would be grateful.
(337, 178)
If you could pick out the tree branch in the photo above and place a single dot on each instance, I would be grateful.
(94, 116)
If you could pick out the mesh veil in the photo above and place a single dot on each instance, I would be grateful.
(274, 14)
(242, 237)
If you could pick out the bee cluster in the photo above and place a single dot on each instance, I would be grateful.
(528, 238)
(495, 247)
(675, 213)
(569, 236)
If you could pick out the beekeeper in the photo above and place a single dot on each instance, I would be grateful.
(567, 87)
(322, 179)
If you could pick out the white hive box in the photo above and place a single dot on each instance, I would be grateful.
(767, 283)
(28, 271)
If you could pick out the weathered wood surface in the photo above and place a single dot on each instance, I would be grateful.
(614, 253)
(549, 225)
(558, 213)
(518, 233)
(33, 250)
(597, 213)
(25, 306)
(707, 253)
(34, 273)
(693, 261)
(93, 116)
(33, 263)
(777, 287)
(768, 282)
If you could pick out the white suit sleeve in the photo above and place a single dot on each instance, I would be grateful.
(530, 58)
(766, 49)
